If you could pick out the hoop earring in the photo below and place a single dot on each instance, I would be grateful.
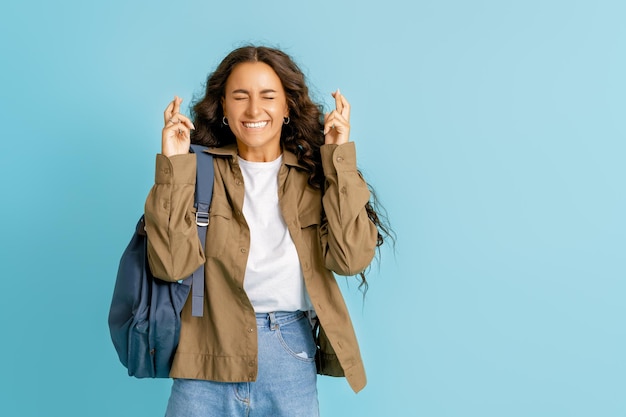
(286, 120)
(225, 121)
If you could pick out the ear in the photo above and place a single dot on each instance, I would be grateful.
(222, 104)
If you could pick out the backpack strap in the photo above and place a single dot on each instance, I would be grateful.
(204, 192)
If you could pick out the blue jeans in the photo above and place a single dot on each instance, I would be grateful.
(285, 384)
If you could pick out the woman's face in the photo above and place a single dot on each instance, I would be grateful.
(255, 104)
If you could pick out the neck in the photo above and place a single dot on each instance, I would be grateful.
(259, 154)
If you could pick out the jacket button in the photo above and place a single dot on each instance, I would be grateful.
(340, 159)
(250, 330)
(238, 182)
(251, 363)
(166, 171)
(243, 250)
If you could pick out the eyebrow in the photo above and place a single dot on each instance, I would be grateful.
(242, 91)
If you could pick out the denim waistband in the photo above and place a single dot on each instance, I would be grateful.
(278, 318)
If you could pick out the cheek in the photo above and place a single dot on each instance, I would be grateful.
(282, 109)
(233, 108)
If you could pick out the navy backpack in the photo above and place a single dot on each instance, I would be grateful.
(144, 318)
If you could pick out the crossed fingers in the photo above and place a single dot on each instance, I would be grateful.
(337, 122)
(175, 121)
(176, 134)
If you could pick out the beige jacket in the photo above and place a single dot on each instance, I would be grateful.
(331, 232)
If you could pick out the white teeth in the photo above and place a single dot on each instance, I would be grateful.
(255, 125)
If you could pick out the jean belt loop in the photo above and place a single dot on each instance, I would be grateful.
(273, 322)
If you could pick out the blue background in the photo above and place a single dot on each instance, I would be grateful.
(493, 132)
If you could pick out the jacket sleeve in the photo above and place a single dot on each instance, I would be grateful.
(174, 249)
(348, 235)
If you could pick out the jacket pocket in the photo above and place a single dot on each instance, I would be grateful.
(220, 225)
(310, 217)
(310, 221)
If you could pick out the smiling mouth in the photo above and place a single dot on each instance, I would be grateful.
(255, 125)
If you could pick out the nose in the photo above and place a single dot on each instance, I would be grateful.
(253, 107)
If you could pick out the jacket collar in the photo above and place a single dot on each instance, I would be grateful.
(231, 150)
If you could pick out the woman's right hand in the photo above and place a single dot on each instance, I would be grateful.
(176, 134)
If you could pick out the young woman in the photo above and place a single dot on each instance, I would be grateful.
(289, 209)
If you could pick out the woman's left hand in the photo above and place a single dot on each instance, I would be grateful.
(337, 122)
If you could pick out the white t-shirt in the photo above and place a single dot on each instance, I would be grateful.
(273, 280)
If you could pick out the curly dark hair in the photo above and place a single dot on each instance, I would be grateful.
(303, 136)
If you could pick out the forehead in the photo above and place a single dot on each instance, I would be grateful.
(253, 76)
